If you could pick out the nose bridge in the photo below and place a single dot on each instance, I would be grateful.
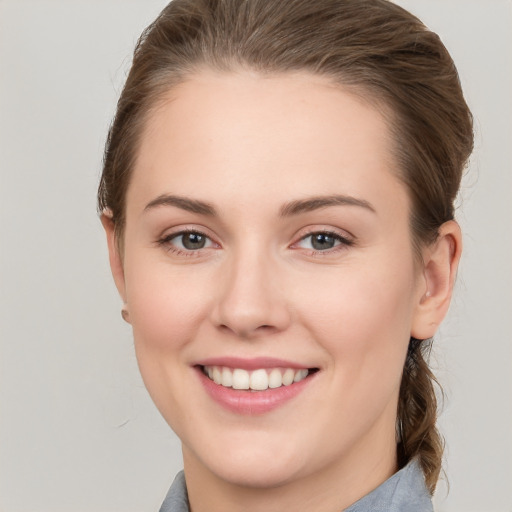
(250, 298)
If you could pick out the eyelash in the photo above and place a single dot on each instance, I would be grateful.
(166, 242)
(344, 242)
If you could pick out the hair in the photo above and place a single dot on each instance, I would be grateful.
(372, 48)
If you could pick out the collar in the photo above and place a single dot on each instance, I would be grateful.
(403, 492)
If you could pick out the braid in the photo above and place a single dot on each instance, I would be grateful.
(417, 413)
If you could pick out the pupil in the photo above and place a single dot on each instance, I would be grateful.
(193, 241)
(322, 241)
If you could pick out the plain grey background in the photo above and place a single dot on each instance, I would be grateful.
(77, 429)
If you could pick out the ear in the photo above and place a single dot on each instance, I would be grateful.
(116, 262)
(441, 260)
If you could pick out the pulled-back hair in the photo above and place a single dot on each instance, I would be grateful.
(372, 48)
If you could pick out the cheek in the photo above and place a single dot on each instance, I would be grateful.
(362, 320)
(362, 316)
(165, 304)
(165, 311)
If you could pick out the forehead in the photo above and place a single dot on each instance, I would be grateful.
(259, 135)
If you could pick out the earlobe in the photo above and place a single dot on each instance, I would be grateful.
(116, 263)
(441, 261)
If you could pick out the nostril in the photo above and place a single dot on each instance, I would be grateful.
(245, 332)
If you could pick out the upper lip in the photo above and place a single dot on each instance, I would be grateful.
(251, 364)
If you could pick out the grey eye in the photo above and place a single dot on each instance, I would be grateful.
(193, 241)
(323, 241)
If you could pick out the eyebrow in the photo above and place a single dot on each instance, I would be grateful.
(316, 203)
(289, 209)
(184, 203)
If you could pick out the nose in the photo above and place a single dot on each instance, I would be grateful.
(250, 298)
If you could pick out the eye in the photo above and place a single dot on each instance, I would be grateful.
(192, 241)
(322, 241)
(186, 241)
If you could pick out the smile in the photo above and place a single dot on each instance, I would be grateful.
(257, 380)
(253, 386)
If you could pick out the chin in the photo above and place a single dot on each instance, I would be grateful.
(261, 474)
(259, 465)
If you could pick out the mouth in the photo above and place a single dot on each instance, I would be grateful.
(260, 379)
(254, 386)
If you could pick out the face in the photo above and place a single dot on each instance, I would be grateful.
(267, 246)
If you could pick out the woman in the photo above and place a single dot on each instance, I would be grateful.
(277, 195)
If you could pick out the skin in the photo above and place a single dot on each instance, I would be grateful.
(248, 145)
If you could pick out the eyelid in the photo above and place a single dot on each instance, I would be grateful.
(327, 230)
(184, 233)
(181, 229)
(168, 235)
(345, 238)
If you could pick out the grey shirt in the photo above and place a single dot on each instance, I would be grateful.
(405, 491)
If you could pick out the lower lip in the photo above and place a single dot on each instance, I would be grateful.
(252, 402)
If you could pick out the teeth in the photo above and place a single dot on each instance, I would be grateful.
(288, 377)
(217, 375)
(227, 378)
(240, 379)
(301, 374)
(275, 379)
(257, 380)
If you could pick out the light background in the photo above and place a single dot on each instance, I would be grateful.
(77, 429)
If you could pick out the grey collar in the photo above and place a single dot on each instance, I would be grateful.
(177, 498)
(405, 491)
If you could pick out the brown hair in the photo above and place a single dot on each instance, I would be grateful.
(373, 47)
